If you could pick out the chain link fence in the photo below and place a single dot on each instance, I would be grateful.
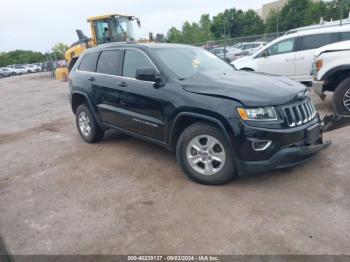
(233, 41)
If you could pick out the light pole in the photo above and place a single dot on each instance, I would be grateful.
(225, 37)
(341, 12)
(278, 20)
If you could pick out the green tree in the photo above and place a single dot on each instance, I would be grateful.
(293, 13)
(271, 22)
(20, 57)
(59, 49)
(174, 35)
(205, 24)
(252, 23)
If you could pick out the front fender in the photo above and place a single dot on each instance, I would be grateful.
(222, 125)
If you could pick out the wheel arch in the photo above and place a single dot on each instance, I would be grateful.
(335, 76)
(185, 119)
(77, 99)
(247, 69)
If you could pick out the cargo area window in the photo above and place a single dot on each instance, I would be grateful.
(89, 61)
(316, 41)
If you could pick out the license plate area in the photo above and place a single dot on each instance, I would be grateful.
(312, 134)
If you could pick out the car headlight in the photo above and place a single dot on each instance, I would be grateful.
(319, 64)
(258, 113)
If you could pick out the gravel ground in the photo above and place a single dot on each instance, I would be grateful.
(59, 195)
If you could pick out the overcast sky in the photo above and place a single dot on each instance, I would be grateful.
(39, 24)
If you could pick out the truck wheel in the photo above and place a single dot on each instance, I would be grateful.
(204, 155)
(87, 125)
(341, 98)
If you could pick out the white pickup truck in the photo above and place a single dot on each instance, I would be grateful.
(332, 73)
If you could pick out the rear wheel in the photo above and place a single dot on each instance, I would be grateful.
(341, 98)
(87, 126)
(247, 69)
(205, 156)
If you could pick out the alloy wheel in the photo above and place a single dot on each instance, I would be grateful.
(346, 100)
(206, 155)
(84, 124)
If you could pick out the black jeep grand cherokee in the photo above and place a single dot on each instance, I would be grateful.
(218, 120)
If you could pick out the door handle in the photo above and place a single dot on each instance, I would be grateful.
(91, 78)
(290, 60)
(123, 84)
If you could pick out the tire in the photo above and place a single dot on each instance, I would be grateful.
(199, 133)
(93, 133)
(247, 69)
(341, 98)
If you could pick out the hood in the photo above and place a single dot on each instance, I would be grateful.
(242, 60)
(251, 89)
(339, 46)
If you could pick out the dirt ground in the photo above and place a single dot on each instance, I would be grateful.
(59, 195)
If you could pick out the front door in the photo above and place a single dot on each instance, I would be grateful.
(106, 85)
(141, 103)
(280, 59)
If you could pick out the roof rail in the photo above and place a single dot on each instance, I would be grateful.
(322, 24)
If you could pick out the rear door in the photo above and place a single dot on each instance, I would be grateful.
(106, 87)
(281, 59)
(305, 54)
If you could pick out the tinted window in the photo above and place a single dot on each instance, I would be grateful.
(345, 36)
(282, 47)
(133, 60)
(89, 62)
(109, 62)
(316, 41)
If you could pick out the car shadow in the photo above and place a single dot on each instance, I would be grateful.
(113, 136)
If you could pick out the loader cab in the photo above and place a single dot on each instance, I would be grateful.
(113, 28)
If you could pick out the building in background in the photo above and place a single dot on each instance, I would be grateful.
(265, 10)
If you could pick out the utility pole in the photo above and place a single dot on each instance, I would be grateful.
(341, 12)
(278, 21)
(225, 37)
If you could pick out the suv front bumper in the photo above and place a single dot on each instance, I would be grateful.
(289, 147)
(287, 157)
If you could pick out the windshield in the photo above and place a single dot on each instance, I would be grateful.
(187, 61)
(123, 29)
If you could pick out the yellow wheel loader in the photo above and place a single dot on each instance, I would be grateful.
(104, 29)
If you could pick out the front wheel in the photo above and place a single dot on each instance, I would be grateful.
(87, 126)
(204, 155)
(341, 98)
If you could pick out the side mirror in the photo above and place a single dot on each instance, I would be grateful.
(147, 74)
(265, 53)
